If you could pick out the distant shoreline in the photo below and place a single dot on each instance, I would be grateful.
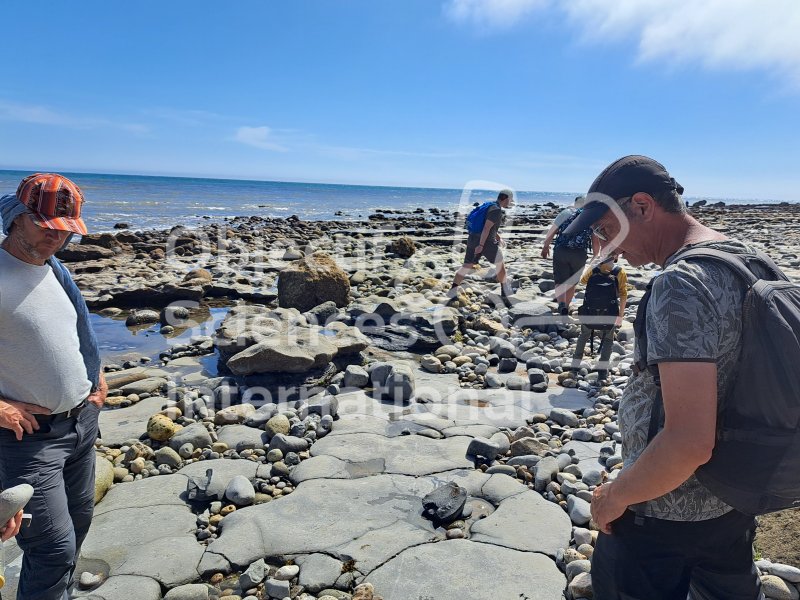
(435, 189)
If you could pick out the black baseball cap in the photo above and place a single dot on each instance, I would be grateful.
(622, 179)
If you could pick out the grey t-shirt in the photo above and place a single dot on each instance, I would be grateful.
(40, 357)
(563, 216)
(694, 314)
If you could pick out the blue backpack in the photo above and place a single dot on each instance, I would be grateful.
(476, 219)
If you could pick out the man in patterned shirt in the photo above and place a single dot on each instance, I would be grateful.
(663, 534)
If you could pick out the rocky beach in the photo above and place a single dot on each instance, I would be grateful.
(330, 426)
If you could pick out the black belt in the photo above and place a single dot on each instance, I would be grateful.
(72, 412)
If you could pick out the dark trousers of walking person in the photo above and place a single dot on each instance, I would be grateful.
(58, 461)
(606, 344)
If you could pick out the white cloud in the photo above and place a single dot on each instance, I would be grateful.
(259, 137)
(42, 115)
(717, 34)
(493, 14)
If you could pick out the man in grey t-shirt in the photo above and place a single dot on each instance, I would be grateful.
(51, 386)
(664, 535)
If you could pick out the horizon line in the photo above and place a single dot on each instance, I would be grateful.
(364, 185)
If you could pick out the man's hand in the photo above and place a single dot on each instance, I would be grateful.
(618, 322)
(500, 241)
(19, 416)
(478, 249)
(98, 397)
(545, 250)
(605, 507)
(11, 528)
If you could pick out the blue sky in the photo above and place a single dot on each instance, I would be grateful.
(532, 94)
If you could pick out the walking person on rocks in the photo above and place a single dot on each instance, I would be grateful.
(483, 225)
(602, 310)
(51, 385)
(569, 254)
(663, 534)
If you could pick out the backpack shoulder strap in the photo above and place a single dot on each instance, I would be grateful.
(739, 263)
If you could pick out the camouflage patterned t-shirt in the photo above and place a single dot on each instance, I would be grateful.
(694, 314)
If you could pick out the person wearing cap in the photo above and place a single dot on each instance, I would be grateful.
(663, 535)
(569, 255)
(487, 243)
(51, 384)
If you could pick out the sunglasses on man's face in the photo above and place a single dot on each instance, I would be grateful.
(599, 230)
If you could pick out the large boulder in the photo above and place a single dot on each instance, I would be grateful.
(81, 252)
(311, 281)
(403, 246)
(254, 340)
(103, 240)
(297, 353)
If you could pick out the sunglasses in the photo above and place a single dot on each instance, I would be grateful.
(599, 230)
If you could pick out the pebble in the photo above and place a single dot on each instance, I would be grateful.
(579, 510)
(254, 574)
(582, 435)
(581, 586)
(277, 588)
(191, 591)
(564, 417)
(776, 588)
(167, 456)
(581, 536)
(592, 477)
(432, 364)
(89, 580)
(287, 572)
(240, 491)
(355, 377)
(455, 534)
(576, 567)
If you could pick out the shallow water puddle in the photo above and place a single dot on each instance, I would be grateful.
(119, 342)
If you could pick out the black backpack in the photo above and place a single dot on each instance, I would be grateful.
(755, 464)
(600, 307)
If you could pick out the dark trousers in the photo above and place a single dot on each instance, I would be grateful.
(606, 345)
(59, 462)
(676, 560)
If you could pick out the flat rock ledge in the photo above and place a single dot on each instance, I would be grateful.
(356, 513)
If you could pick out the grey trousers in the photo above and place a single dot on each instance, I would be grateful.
(58, 460)
(606, 343)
